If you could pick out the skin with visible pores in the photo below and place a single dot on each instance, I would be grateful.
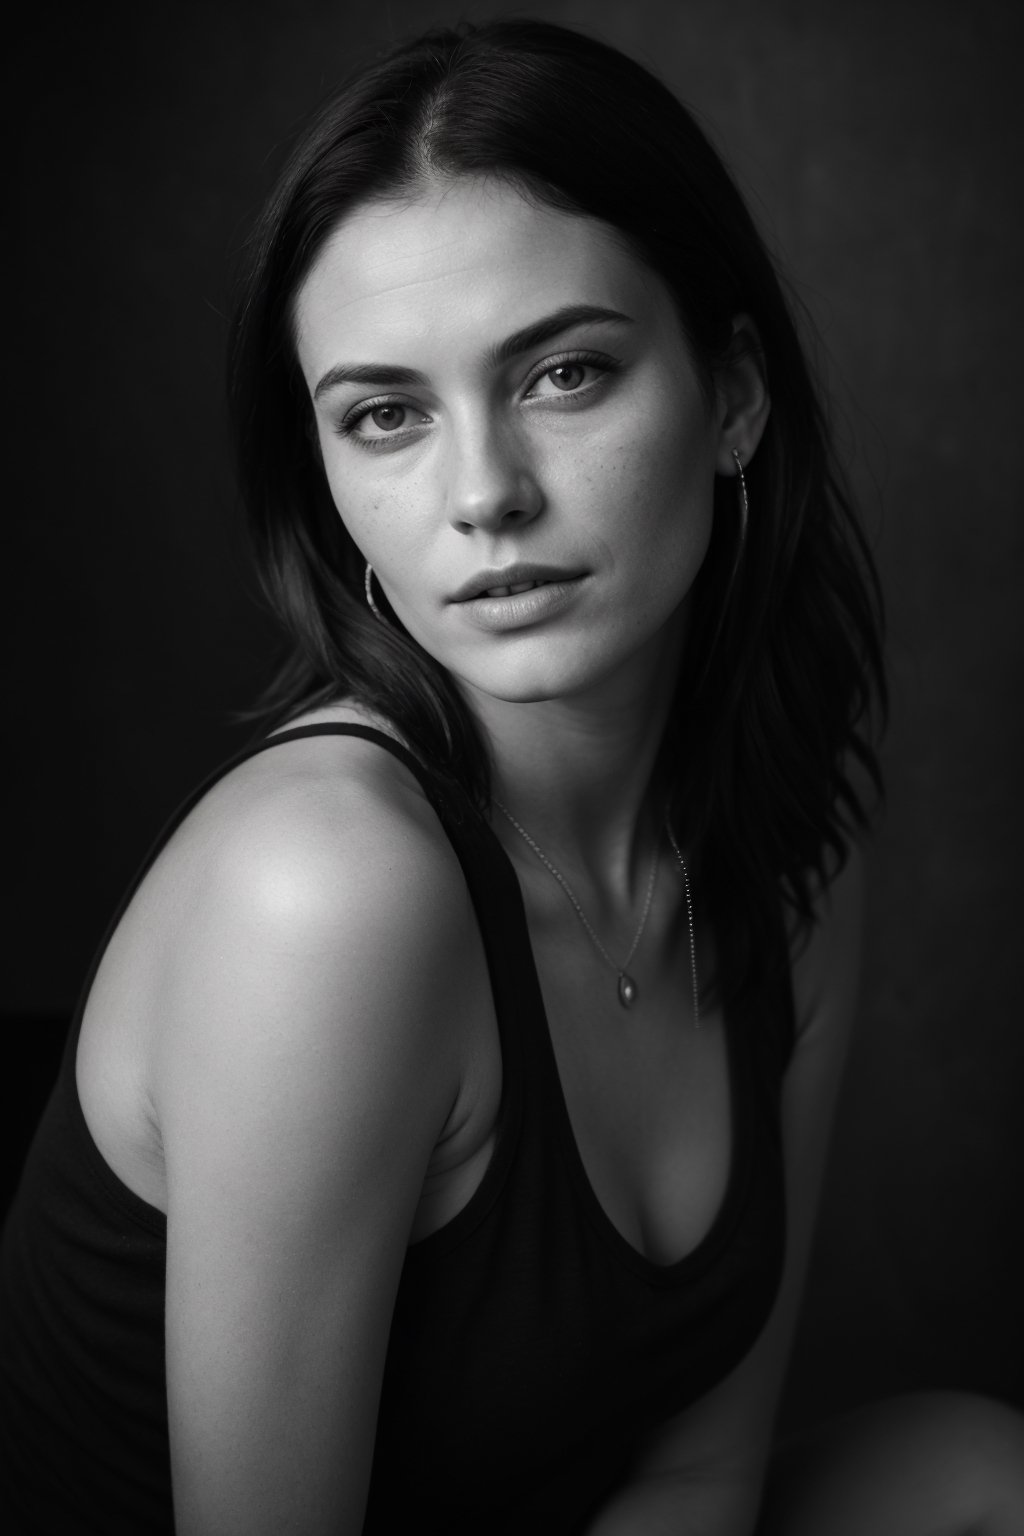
(604, 467)
(595, 454)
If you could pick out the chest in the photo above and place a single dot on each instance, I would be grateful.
(647, 1097)
(639, 1142)
(645, 1100)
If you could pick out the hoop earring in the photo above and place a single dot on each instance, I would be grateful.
(368, 587)
(744, 503)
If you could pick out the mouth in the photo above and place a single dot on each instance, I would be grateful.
(513, 591)
(511, 582)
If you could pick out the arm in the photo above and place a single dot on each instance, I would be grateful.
(301, 1088)
(703, 1474)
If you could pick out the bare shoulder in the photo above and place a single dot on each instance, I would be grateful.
(310, 831)
(319, 902)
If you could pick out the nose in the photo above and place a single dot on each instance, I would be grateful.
(490, 483)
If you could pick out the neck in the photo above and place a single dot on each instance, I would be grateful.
(581, 773)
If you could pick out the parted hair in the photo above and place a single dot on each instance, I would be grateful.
(771, 742)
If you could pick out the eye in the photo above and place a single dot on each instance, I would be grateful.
(567, 375)
(571, 377)
(374, 423)
(387, 417)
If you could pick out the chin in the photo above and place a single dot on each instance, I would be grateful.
(525, 693)
(534, 681)
(515, 690)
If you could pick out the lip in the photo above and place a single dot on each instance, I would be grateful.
(522, 610)
(517, 575)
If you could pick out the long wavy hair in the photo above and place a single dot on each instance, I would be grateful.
(770, 745)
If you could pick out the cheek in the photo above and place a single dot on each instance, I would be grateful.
(666, 478)
(370, 517)
(662, 477)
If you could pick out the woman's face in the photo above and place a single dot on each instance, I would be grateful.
(505, 401)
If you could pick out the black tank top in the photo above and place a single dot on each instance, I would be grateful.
(531, 1345)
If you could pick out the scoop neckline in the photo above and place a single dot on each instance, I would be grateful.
(709, 1245)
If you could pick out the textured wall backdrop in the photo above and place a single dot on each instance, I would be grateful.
(880, 145)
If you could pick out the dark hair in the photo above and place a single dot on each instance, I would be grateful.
(769, 741)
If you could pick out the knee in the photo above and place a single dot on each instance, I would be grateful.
(942, 1462)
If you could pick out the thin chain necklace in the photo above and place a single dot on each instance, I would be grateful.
(628, 990)
(689, 923)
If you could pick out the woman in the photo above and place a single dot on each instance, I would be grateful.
(438, 1144)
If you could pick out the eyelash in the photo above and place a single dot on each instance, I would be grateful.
(600, 360)
(608, 366)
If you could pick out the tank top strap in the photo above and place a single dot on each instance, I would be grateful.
(330, 728)
(254, 749)
(779, 1018)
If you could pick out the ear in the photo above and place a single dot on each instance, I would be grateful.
(742, 399)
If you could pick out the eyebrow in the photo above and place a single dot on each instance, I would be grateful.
(533, 335)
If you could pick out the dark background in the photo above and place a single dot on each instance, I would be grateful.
(880, 145)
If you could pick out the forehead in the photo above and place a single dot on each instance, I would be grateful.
(471, 261)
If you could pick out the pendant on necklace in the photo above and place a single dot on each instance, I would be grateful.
(627, 990)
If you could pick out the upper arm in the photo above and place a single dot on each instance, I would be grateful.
(307, 1068)
(722, 1441)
